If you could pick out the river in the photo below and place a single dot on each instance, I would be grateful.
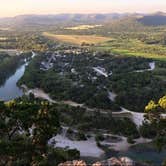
(10, 90)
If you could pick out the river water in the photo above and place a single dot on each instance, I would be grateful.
(10, 90)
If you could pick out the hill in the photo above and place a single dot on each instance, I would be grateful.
(59, 19)
(81, 19)
(156, 19)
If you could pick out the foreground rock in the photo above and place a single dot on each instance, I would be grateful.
(74, 163)
(122, 161)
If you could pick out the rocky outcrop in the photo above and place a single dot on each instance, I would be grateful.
(74, 163)
(97, 164)
(122, 161)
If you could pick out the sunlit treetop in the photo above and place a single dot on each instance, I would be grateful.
(162, 102)
(152, 106)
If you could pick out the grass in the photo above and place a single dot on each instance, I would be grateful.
(78, 39)
(83, 27)
(117, 45)
(11, 52)
(130, 53)
(134, 47)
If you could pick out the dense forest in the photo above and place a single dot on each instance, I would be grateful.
(27, 124)
(25, 128)
(74, 78)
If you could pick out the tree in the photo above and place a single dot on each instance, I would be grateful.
(25, 128)
(155, 115)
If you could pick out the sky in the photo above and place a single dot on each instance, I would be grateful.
(17, 7)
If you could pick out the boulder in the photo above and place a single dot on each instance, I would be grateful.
(126, 161)
(114, 162)
(67, 163)
(97, 164)
(73, 163)
(79, 163)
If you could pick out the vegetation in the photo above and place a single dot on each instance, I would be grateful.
(77, 39)
(83, 27)
(9, 64)
(25, 41)
(85, 121)
(25, 128)
(83, 60)
(142, 45)
(156, 115)
(130, 140)
(74, 74)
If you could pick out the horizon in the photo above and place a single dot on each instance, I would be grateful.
(49, 7)
(52, 14)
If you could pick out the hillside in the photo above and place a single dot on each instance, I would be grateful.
(129, 21)
(153, 20)
(59, 19)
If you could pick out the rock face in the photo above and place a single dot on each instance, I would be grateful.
(122, 161)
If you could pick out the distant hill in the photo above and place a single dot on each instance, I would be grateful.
(59, 19)
(156, 19)
(77, 19)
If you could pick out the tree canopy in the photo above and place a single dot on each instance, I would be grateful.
(156, 116)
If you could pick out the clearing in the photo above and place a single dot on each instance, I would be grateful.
(78, 39)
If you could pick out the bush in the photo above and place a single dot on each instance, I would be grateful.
(69, 131)
(147, 131)
(98, 144)
(164, 163)
(130, 140)
(81, 136)
(99, 137)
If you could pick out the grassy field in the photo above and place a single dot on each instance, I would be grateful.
(83, 27)
(134, 47)
(116, 45)
(11, 52)
(78, 39)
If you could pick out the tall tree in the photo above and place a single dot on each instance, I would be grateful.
(156, 115)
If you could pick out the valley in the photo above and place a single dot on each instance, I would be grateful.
(87, 89)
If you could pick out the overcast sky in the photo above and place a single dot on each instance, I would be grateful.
(17, 7)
